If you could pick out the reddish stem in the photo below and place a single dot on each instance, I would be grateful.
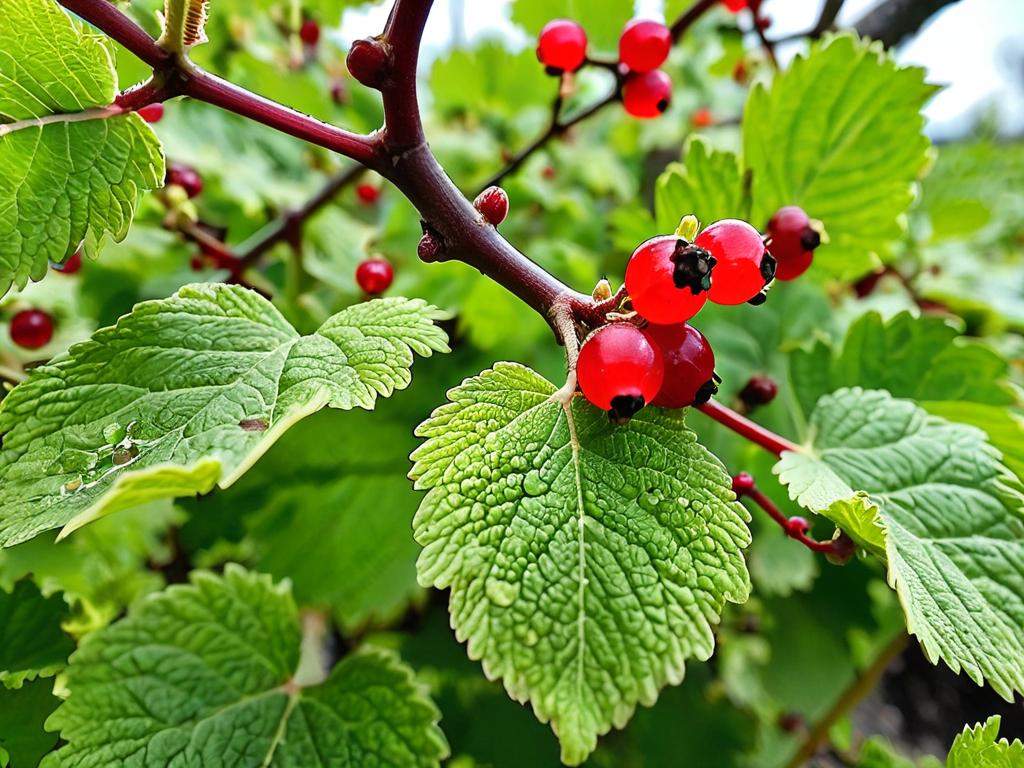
(743, 426)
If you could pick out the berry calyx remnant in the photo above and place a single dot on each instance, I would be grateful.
(667, 279)
(375, 276)
(648, 94)
(369, 61)
(619, 370)
(562, 46)
(644, 45)
(492, 204)
(151, 113)
(31, 328)
(743, 265)
(309, 32)
(689, 365)
(759, 390)
(793, 238)
(70, 265)
(368, 194)
(186, 178)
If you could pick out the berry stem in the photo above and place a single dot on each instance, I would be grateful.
(743, 426)
(793, 527)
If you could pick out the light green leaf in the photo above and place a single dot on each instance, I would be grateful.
(31, 641)
(185, 393)
(980, 747)
(203, 675)
(707, 184)
(953, 517)
(69, 167)
(586, 562)
(840, 134)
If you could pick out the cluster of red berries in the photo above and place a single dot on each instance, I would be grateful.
(663, 360)
(643, 47)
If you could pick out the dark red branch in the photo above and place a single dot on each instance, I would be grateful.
(403, 128)
(106, 17)
(744, 427)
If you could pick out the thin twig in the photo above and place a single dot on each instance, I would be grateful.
(743, 426)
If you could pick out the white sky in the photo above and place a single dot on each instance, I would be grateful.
(974, 47)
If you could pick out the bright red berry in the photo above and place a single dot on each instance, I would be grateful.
(374, 276)
(562, 46)
(492, 204)
(152, 113)
(793, 241)
(369, 61)
(798, 526)
(735, 5)
(309, 32)
(368, 194)
(743, 266)
(31, 328)
(644, 45)
(743, 484)
(702, 118)
(667, 279)
(186, 178)
(70, 265)
(689, 365)
(620, 370)
(759, 390)
(647, 95)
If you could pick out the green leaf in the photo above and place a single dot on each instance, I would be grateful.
(571, 546)
(22, 714)
(707, 184)
(69, 168)
(32, 643)
(185, 393)
(203, 675)
(839, 134)
(953, 517)
(980, 747)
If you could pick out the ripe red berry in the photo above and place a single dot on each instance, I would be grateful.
(702, 118)
(759, 390)
(562, 46)
(309, 32)
(689, 365)
(743, 484)
(492, 204)
(644, 45)
(619, 370)
(367, 194)
(735, 5)
(667, 279)
(186, 178)
(31, 328)
(374, 276)
(368, 61)
(152, 113)
(647, 95)
(743, 265)
(793, 241)
(70, 265)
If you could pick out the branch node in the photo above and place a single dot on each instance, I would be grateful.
(370, 62)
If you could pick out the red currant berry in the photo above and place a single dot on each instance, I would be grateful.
(152, 113)
(368, 61)
(798, 526)
(793, 241)
(31, 329)
(374, 276)
(644, 45)
(492, 204)
(760, 390)
(309, 32)
(689, 365)
(562, 46)
(70, 265)
(743, 265)
(367, 194)
(667, 279)
(647, 95)
(743, 484)
(702, 118)
(619, 370)
(186, 178)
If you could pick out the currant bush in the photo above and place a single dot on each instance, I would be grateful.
(619, 370)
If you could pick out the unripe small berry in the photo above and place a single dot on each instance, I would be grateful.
(492, 204)
(647, 95)
(70, 265)
(742, 484)
(843, 549)
(644, 45)
(309, 32)
(798, 525)
(562, 46)
(31, 328)
(152, 113)
(759, 390)
(375, 276)
(369, 61)
(368, 194)
(186, 178)
(429, 249)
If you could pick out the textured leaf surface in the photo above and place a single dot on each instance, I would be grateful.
(62, 178)
(954, 524)
(187, 392)
(981, 747)
(840, 134)
(31, 641)
(706, 184)
(201, 675)
(586, 562)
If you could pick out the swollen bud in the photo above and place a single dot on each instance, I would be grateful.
(369, 61)
(429, 249)
(760, 390)
(492, 204)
